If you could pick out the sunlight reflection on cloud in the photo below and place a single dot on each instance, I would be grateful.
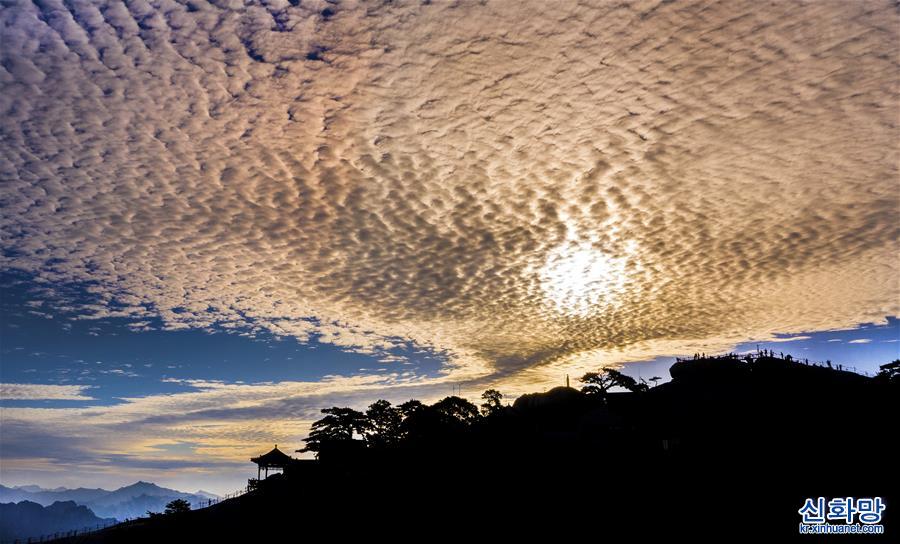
(579, 279)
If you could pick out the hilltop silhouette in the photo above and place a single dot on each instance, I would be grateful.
(731, 443)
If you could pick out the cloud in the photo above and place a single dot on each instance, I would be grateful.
(860, 341)
(789, 339)
(36, 391)
(524, 185)
(223, 424)
(529, 191)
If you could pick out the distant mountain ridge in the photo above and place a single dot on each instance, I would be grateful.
(206, 494)
(30, 519)
(126, 502)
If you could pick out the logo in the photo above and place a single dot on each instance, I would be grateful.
(842, 515)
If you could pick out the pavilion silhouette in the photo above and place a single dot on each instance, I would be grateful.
(275, 460)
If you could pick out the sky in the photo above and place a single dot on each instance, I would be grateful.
(218, 219)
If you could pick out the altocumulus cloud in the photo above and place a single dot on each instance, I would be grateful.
(521, 186)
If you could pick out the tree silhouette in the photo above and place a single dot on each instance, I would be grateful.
(383, 424)
(410, 407)
(338, 425)
(598, 383)
(178, 506)
(890, 371)
(440, 420)
(491, 404)
(456, 409)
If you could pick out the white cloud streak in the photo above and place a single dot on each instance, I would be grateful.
(35, 391)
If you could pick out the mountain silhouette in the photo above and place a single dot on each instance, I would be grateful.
(731, 444)
(130, 501)
(46, 497)
(29, 519)
(206, 494)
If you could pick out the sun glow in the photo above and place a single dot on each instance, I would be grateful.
(580, 279)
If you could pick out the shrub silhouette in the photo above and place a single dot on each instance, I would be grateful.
(178, 506)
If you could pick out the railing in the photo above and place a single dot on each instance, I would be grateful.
(212, 502)
(63, 534)
(49, 537)
(770, 354)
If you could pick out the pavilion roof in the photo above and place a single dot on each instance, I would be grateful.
(275, 458)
